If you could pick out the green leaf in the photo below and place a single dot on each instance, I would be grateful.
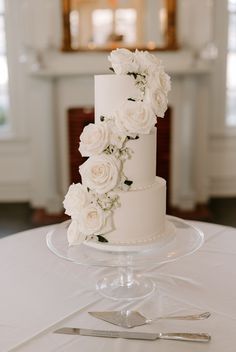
(132, 138)
(101, 238)
(133, 74)
(128, 182)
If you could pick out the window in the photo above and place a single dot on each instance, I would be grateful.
(114, 25)
(231, 66)
(126, 24)
(4, 97)
(102, 25)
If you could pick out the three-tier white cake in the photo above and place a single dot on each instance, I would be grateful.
(120, 199)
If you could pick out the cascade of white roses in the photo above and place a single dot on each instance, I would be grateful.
(92, 203)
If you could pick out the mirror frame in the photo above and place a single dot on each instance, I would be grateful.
(170, 34)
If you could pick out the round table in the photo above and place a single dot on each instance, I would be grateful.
(41, 292)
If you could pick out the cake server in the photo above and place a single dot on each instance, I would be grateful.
(194, 337)
(130, 318)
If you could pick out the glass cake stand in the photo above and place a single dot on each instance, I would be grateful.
(123, 283)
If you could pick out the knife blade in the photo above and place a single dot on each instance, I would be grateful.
(194, 337)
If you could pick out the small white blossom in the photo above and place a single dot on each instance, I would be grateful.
(108, 201)
(117, 138)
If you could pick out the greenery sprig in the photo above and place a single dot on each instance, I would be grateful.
(101, 238)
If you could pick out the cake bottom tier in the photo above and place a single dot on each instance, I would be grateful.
(141, 218)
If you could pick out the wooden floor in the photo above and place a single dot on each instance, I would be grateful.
(16, 217)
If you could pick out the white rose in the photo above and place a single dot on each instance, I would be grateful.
(145, 61)
(135, 118)
(160, 79)
(94, 139)
(93, 221)
(100, 173)
(122, 61)
(158, 101)
(76, 198)
(74, 236)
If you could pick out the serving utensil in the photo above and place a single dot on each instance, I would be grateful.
(130, 318)
(193, 337)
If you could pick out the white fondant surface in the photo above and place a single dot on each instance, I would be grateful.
(111, 91)
(141, 216)
(141, 167)
(162, 240)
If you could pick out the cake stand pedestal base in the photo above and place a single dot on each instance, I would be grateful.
(125, 285)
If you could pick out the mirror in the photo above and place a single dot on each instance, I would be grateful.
(109, 24)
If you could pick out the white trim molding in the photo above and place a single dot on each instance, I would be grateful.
(222, 165)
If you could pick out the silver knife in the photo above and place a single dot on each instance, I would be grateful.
(194, 337)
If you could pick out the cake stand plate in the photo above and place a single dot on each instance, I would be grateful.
(124, 283)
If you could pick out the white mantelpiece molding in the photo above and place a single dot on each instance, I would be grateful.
(66, 80)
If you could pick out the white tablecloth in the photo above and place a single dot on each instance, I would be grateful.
(41, 292)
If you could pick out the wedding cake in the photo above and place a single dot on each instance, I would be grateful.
(120, 200)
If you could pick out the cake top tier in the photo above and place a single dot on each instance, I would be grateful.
(111, 92)
(139, 77)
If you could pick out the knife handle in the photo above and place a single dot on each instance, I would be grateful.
(194, 337)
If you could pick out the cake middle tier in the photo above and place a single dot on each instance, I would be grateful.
(141, 167)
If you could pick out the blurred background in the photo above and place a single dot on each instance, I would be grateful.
(50, 51)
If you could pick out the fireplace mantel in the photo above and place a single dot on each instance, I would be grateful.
(58, 65)
(64, 81)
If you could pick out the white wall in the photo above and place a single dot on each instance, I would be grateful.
(23, 168)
